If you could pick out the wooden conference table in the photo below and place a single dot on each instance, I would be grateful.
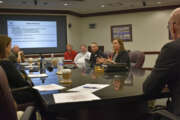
(122, 99)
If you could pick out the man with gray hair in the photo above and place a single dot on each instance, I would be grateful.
(16, 55)
(82, 56)
(166, 71)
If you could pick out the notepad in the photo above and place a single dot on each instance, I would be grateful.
(74, 97)
(89, 87)
(37, 75)
(49, 87)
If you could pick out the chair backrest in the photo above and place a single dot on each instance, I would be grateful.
(137, 57)
(7, 105)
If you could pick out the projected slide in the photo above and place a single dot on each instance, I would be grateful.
(33, 34)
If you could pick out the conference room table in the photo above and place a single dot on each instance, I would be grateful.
(122, 99)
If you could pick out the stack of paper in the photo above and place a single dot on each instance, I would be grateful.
(48, 87)
(31, 66)
(74, 97)
(24, 64)
(37, 75)
(89, 88)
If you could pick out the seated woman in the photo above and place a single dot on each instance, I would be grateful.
(15, 79)
(120, 55)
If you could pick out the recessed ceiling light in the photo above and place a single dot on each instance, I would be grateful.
(67, 4)
(1, 1)
(158, 2)
(102, 6)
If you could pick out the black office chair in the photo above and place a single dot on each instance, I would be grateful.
(137, 58)
(165, 114)
(7, 104)
(160, 112)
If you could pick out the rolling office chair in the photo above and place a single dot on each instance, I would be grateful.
(165, 114)
(137, 59)
(161, 112)
(7, 104)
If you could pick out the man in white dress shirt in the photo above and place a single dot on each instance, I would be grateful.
(79, 60)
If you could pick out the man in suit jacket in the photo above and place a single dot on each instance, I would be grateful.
(96, 54)
(167, 68)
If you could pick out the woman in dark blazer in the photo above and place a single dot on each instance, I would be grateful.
(120, 55)
(15, 79)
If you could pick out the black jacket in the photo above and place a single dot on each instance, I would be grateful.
(95, 55)
(166, 71)
(122, 57)
(14, 77)
(16, 80)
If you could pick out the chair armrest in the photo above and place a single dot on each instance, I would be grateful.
(166, 114)
(20, 89)
(29, 113)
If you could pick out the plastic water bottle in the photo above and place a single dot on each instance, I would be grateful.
(52, 56)
(60, 65)
(42, 65)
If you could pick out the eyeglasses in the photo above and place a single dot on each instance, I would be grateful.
(168, 26)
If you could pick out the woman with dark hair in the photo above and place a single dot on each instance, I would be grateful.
(120, 55)
(15, 79)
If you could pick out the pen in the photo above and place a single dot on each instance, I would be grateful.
(90, 87)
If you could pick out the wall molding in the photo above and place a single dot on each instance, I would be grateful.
(37, 11)
(130, 11)
(40, 11)
(151, 52)
(45, 55)
(62, 55)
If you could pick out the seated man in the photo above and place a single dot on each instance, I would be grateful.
(166, 71)
(97, 56)
(80, 57)
(16, 56)
(70, 54)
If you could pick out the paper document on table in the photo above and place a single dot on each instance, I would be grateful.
(24, 64)
(48, 87)
(74, 97)
(89, 87)
(31, 66)
(37, 75)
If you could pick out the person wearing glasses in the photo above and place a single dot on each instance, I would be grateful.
(166, 72)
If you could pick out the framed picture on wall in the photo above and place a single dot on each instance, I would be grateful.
(124, 32)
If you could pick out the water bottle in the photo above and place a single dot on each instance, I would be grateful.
(42, 65)
(60, 65)
(52, 56)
